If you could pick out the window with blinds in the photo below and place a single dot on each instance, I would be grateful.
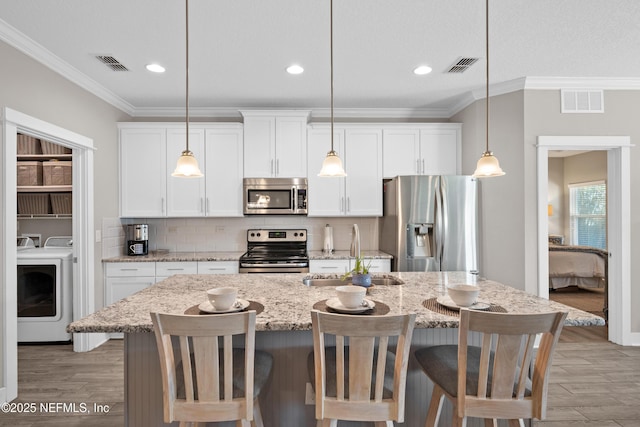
(588, 214)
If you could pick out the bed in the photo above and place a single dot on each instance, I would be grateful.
(581, 266)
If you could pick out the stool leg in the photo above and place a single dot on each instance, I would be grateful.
(435, 407)
(257, 415)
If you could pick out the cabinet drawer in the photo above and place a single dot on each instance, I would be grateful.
(130, 269)
(218, 267)
(166, 269)
(379, 265)
(339, 266)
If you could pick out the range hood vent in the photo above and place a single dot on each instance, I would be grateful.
(111, 62)
(462, 65)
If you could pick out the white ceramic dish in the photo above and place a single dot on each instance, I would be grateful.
(239, 305)
(334, 304)
(446, 301)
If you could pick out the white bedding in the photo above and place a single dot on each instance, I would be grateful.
(576, 267)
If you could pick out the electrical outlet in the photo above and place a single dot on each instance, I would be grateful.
(220, 229)
(98, 236)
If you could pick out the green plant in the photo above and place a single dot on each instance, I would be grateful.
(359, 268)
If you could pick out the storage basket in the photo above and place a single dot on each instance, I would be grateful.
(61, 203)
(29, 173)
(28, 145)
(51, 148)
(56, 172)
(33, 203)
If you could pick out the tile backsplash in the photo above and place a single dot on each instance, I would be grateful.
(230, 234)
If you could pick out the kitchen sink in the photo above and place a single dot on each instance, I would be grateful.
(336, 281)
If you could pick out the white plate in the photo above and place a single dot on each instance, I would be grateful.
(334, 304)
(239, 305)
(446, 301)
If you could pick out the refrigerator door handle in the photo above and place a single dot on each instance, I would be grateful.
(440, 225)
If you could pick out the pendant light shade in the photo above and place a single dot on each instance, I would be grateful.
(187, 166)
(488, 165)
(332, 165)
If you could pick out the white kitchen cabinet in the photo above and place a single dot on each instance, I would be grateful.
(223, 171)
(429, 149)
(143, 178)
(171, 268)
(275, 144)
(185, 196)
(333, 266)
(147, 188)
(342, 266)
(218, 267)
(126, 278)
(360, 192)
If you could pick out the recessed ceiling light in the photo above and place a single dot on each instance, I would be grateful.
(295, 69)
(155, 68)
(422, 70)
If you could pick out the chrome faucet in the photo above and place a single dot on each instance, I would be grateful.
(355, 242)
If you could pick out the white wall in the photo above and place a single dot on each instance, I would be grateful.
(543, 117)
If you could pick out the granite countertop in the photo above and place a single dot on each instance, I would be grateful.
(229, 256)
(287, 302)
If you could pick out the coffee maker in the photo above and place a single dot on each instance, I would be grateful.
(137, 239)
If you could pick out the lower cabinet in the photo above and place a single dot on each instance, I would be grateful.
(218, 267)
(168, 269)
(341, 266)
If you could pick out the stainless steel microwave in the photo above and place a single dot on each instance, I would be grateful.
(275, 196)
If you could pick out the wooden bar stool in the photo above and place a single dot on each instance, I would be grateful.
(505, 378)
(359, 379)
(219, 383)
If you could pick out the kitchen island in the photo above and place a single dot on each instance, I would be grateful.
(284, 330)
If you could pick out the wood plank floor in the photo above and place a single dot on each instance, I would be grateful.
(594, 383)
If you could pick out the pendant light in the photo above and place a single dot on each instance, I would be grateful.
(187, 166)
(332, 165)
(488, 165)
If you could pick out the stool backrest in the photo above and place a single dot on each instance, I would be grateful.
(513, 375)
(360, 385)
(202, 340)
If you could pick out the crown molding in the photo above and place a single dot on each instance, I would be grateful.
(29, 47)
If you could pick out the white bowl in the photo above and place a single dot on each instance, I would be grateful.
(222, 298)
(351, 296)
(463, 295)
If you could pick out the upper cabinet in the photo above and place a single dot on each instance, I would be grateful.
(360, 192)
(275, 143)
(148, 156)
(425, 149)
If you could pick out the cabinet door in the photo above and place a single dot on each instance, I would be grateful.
(117, 288)
(401, 152)
(291, 147)
(259, 147)
(185, 196)
(439, 151)
(326, 195)
(223, 173)
(363, 163)
(143, 177)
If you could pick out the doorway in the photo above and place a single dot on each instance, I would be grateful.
(618, 227)
(13, 123)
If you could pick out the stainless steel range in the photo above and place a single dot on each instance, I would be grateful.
(275, 251)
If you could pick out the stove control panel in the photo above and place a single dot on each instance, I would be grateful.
(279, 235)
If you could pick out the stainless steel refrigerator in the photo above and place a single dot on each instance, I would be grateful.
(430, 223)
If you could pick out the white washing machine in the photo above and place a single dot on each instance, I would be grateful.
(45, 290)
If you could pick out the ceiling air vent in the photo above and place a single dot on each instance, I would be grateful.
(111, 62)
(582, 101)
(462, 65)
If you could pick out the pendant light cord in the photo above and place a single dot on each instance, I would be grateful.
(331, 63)
(187, 72)
(487, 65)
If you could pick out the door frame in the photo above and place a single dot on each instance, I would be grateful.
(82, 226)
(618, 224)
